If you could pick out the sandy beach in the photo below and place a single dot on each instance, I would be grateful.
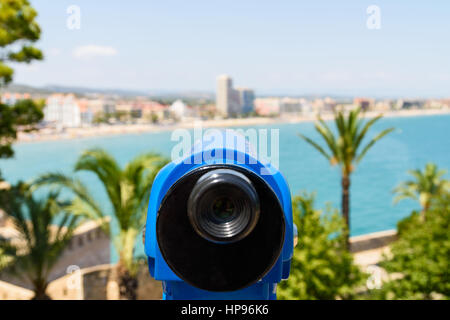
(48, 134)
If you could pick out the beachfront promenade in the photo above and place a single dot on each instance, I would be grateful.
(48, 134)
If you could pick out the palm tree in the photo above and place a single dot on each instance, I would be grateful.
(128, 190)
(7, 253)
(346, 148)
(426, 184)
(44, 229)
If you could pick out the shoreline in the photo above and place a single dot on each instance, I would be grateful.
(112, 130)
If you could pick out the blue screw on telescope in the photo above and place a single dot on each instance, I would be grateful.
(219, 224)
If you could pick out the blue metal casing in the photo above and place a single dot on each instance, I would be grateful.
(233, 150)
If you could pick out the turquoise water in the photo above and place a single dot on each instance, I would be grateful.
(415, 141)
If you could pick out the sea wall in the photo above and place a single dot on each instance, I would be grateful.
(372, 241)
(89, 247)
(101, 283)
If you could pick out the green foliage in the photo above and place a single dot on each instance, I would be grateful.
(100, 117)
(346, 148)
(128, 190)
(24, 115)
(426, 184)
(122, 115)
(7, 254)
(44, 229)
(18, 30)
(420, 261)
(154, 118)
(321, 267)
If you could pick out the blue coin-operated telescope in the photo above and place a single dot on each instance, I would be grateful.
(219, 223)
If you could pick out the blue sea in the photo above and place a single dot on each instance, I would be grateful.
(416, 141)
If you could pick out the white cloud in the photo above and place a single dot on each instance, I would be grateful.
(93, 51)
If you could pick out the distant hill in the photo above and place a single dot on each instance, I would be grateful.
(155, 94)
(83, 91)
(20, 88)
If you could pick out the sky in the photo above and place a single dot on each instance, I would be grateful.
(275, 47)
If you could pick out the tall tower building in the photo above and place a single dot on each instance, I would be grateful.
(227, 98)
(246, 98)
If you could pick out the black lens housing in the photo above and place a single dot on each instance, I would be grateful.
(223, 206)
(224, 265)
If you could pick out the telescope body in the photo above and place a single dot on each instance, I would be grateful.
(219, 224)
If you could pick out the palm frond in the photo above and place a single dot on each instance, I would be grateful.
(372, 142)
(128, 190)
(105, 167)
(44, 230)
(426, 184)
(59, 180)
(315, 145)
(365, 129)
(327, 135)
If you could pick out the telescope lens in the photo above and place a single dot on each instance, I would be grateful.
(220, 228)
(223, 206)
(223, 209)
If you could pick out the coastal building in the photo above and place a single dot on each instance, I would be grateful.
(246, 99)
(86, 115)
(410, 104)
(100, 106)
(11, 98)
(150, 109)
(292, 105)
(124, 106)
(179, 110)
(383, 105)
(324, 105)
(364, 103)
(65, 111)
(268, 106)
(445, 103)
(227, 98)
(329, 104)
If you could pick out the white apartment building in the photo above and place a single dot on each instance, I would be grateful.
(180, 110)
(62, 110)
(227, 99)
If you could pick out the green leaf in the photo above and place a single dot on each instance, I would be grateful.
(372, 142)
(315, 145)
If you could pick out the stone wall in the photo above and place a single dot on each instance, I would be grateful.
(149, 289)
(372, 241)
(67, 288)
(96, 279)
(89, 247)
(100, 283)
(11, 292)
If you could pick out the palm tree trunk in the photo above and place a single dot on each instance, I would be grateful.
(423, 213)
(128, 283)
(40, 292)
(346, 205)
